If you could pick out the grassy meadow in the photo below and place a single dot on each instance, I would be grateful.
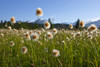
(75, 48)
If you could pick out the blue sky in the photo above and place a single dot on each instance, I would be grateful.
(60, 10)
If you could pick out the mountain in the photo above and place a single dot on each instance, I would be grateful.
(62, 23)
(97, 23)
(87, 23)
(39, 21)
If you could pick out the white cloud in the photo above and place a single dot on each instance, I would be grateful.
(94, 19)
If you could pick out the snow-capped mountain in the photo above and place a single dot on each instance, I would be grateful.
(87, 23)
(97, 23)
(39, 21)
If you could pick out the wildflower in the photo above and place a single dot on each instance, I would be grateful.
(63, 30)
(67, 39)
(30, 32)
(39, 32)
(92, 28)
(9, 28)
(49, 35)
(81, 24)
(63, 42)
(55, 31)
(12, 20)
(72, 34)
(24, 49)
(2, 35)
(46, 25)
(21, 29)
(42, 30)
(15, 30)
(22, 41)
(40, 43)
(87, 33)
(90, 36)
(12, 43)
(78, 34)
(56, 53)
(34, 36)
(45, 40)
(27, 36)
(39, 12)
(71, 26)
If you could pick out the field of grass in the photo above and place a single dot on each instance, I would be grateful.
(81, 50)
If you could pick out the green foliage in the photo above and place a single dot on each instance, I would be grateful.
(78, 52)
(77, 24)
(19, 25)
(52, 25)
(35, 25)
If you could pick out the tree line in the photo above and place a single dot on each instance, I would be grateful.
(27, 25)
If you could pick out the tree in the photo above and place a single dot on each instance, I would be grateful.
(77, 24)
(5, 23)
(1, 21)
(52, 25)
(1, 24)
(35, 25)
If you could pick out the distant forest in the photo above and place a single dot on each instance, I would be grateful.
(27, 25)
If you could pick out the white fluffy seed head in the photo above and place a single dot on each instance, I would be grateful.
(9, 28)
(34, 36)
(55, 31)
(24, 49)
(2, 35)
(56, 53)
(27, 36)
(39, 12)
(81, 24)
(12, 20)
(92, 28)
(71, 26)
(49, 35)
(47, 25)
(11, 43)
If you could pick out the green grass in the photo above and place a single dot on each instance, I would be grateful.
(74, 53)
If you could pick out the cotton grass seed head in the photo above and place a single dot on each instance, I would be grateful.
(27, 36)
(11, 43)
(24, 49)
(39, 32)
(56, 53)
(15, 30)
(30, 32)
(55, 31)
(42, 30)
(90, 37)
(49, 35)
(2, 35)
(82, 24)
(39, 12)
(92, 28)
(34, 36)
(12, 20)
(9, 28)
(46, 25)
(73, 34)
(67, 39)
(63, 42)
(71, 26)
(78, 34)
